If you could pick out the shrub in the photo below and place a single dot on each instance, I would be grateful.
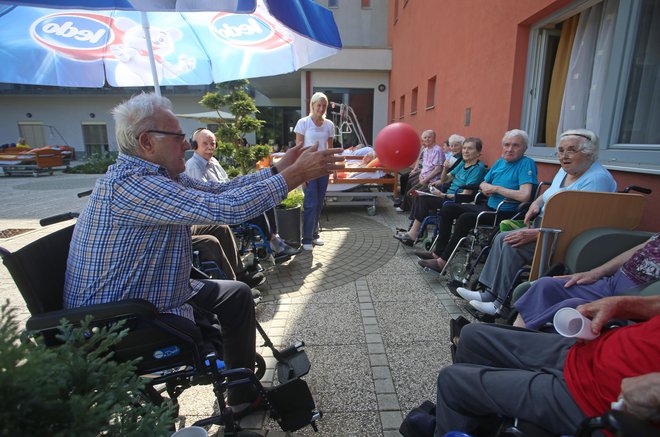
(293, 199)
(95, 164)
(75, 389)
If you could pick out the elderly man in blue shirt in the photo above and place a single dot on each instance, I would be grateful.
(133, 239)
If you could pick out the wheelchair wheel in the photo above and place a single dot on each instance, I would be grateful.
(259, 366)
(456, 269)
(262, 253)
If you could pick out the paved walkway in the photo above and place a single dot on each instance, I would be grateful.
(375, 326)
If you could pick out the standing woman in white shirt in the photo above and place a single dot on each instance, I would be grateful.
(314, 130)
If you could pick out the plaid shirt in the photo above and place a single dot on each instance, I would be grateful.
(133, 240)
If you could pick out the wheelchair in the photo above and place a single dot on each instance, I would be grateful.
(252, 240)
(469, 256)
(594, 246)
(171, 358)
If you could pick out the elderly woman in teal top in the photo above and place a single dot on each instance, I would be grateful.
(580, 171)
(470, 172)
(314, 130)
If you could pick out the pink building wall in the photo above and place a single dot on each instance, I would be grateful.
(477, 51)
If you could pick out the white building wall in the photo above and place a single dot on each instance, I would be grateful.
(67, 113)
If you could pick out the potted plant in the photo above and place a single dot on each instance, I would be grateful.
(288, 215)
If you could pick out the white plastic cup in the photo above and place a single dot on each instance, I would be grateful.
(191, 431)
(569, 322)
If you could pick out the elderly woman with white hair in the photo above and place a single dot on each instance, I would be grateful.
(580, 171)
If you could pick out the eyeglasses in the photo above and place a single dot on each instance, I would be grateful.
(567, 152)
(180, 136)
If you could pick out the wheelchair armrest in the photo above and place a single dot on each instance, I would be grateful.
(618, 422)
(122, 309)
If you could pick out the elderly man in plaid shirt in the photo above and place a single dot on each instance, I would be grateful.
(133, 239)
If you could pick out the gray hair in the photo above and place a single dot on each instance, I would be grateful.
(315, 98)
(455, 138)
(588, 141)
(517, 133)
(134, 116)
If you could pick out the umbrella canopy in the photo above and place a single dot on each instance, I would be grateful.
(208, 116)
(91, 47)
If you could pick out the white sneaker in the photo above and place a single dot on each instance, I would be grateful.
(308, 246)
(485, 307)
(318, 242)
(469, 294)
(399, 209)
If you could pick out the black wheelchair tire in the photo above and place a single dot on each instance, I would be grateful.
(259, 366)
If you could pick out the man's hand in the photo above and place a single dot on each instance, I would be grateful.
(289, 157)
(488, 189)
(312, 164)
(600, 311)
(642, 396)
(520, 237)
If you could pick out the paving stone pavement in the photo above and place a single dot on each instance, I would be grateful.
(375, 326)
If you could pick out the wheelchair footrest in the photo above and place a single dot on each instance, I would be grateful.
(293, 406)
(292, 366)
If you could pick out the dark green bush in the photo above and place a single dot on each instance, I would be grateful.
(95, 164)
(75, 389)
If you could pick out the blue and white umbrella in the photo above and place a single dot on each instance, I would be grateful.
(78, 43)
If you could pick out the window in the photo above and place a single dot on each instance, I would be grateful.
(610, 85)
(392, 111)
(413, 101)
(430, 93)
(95, 137)
(402, 107)
(333, 3)
(33, 132)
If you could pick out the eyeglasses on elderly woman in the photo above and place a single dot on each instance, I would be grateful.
(569, 151)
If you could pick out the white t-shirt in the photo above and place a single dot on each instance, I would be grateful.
(314, 133)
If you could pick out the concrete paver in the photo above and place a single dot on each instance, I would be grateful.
(375, 326)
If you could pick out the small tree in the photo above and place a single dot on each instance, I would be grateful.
(233, 96)
(75, 389)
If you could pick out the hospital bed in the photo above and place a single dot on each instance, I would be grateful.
(357, 185)
(34, 162)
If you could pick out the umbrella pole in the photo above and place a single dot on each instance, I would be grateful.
(150, 50)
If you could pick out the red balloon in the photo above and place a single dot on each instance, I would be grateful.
(397, 146)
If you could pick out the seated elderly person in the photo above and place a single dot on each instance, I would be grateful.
(469, 172)
(510, 251)
(551, 381)
(133, 239)
(512, 177)
(203, 166)
(455, 144)
(426, 171)
(623, 274)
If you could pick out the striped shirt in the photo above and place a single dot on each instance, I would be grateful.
(133, 239)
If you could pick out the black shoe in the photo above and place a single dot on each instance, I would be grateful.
(252, 279)
(430, 264)
(405, 239)
(420, 422)
(243, 409)
(424, 254)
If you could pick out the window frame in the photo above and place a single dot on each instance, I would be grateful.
(431, 88)
(641, 158)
